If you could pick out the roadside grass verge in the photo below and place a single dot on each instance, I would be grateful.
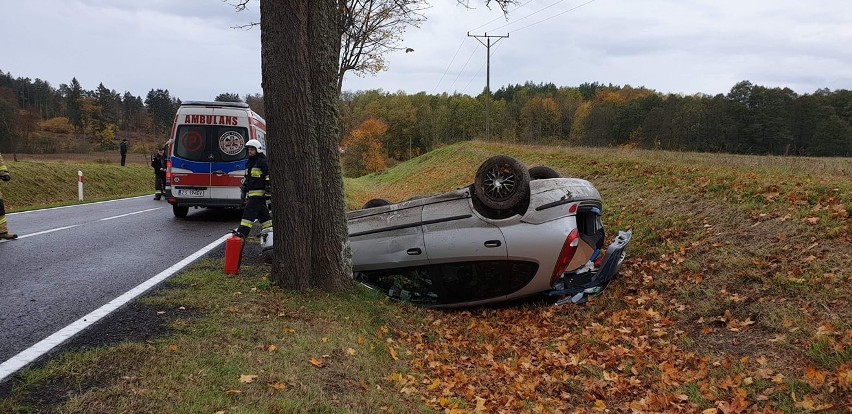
(43, 184)
(735, 296)
(244, 347)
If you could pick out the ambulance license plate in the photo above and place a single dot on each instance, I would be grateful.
(190, 193)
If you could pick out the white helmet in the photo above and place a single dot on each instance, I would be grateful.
(256, 144)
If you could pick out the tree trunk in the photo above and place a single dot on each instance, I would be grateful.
(332, 255)
(299, 67)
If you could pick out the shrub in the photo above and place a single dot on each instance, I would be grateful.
(58, 125)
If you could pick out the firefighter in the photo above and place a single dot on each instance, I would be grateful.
(255, 189)
(158, 163)
(4, 232)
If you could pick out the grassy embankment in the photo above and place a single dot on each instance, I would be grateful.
(40, 181)
(735, 297)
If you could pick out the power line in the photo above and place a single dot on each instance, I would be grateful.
(462, 69)
(480, 69)
(487, 45)
(448, 66)
(555, 15)
(462, 43)
(498, 18)
(529, 15)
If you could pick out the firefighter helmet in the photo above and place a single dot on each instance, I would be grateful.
(255, 144)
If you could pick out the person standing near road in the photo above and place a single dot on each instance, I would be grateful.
(122, 148)
(255, 188)
(158, 163)
(4, 231)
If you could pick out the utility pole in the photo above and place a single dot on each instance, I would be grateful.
(487, 45)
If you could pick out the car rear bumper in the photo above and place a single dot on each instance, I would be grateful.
(577, 286)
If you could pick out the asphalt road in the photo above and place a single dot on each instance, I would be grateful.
(70, 261)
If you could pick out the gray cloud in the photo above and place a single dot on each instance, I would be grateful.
(684, 46)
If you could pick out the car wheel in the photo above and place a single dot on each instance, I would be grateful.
(542, 172)
(502, 183)
(180, 211)
(376, 202)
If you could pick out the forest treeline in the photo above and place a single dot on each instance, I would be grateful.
(377, 126)
(36, 117)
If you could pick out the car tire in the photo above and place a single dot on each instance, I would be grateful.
(502, 183)
(542, 172)
(180, 211)
(376, 202)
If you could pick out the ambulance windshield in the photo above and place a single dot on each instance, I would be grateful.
(211, 143)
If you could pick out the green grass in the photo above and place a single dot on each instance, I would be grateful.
(712, 233)
(42, 184)
(240, 330)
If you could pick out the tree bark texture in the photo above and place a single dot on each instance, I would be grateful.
(298, 70)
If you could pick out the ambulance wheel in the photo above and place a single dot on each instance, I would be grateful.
(180, 211)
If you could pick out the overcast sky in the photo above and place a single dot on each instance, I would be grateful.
(681, 46)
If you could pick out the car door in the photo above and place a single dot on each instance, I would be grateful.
(229, 161)
(467, 256)
(452, 233)
(390, 238)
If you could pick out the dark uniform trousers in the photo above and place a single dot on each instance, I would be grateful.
(255, 210)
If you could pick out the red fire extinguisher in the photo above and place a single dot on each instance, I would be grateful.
(233, 254)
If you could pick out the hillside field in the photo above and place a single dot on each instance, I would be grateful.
(734, 297)
(49, 180)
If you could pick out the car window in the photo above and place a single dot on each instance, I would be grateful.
(412, 284)
(451, 283)
(210, 143)
(470, 281)
(261, 136)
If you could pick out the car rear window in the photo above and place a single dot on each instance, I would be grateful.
(211, 143)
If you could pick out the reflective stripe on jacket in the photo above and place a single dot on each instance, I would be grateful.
(257, 176)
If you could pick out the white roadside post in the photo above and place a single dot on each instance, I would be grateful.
(80, 185)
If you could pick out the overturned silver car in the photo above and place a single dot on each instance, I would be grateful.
(513, 233)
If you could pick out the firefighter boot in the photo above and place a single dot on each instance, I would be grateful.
(8, 236)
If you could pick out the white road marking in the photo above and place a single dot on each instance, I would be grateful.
(70, 227)
(75, 205)
(42, 232)
(47, 231)
(34, 352)
(130, 214)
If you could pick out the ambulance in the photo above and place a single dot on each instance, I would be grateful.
(206, 154)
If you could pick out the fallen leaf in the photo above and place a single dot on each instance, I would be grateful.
(480, 405)
(317, 362)
(814, 377)
(173, 348)
(247, 378)
(271, 348)
(350, 351)
(844, 377)
(278, 386)
(233, 392)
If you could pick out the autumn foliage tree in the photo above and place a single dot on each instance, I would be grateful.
(363, 145)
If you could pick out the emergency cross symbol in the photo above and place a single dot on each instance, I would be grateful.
(231, 143)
